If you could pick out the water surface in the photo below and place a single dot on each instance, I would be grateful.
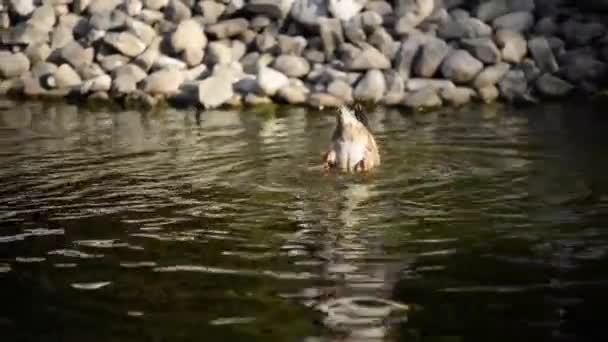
(482, 224)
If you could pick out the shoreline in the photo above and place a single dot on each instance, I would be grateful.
(420, 55)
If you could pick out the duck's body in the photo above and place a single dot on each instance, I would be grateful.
(353, 147)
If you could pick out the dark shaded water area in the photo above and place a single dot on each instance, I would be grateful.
(482, 224)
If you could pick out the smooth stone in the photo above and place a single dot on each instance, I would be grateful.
(332, 36)
(164, 82)
(551, 86)
(271, 80)
(176, 11)
(215, 91)
(371, 87)
(227, 28)
(513, 45)
(142, 30)
(467, 27)
(292, 94)
(289, 45)
(517, 21)
(345, 9)
(457, 96)
(101, 83)
(488, 94)
(423, 99)
(22, 7)
(219, 53)
(322, 100)
(13, 65)
(530, 69)
(460, 67)
(188, 35)
(38, 52)
(340, 89)
(513, 86)
(382, 40)
(292, 66)
(125, 43)
(415, 84)
(483, 49)
(66, 77)
(277, 9)
(543, 54)
(430, 57)
(112, 62)
(156, 4)
(126, 77)
(308, 12)
(150, 56)
(369, 58)
(491, 75)
(211, 11)
(43, 18)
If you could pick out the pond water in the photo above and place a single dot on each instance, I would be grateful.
(485, 223)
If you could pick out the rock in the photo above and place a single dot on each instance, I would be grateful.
(266, 41)
(227, 28)
(411, 14)
(432, 54)
(513, 45)
(215, 91)
(112, 62)
(458, 28)
(457, 96)
(308, 12)
(151, 17)
(13, 65)
(102, 6)
(166, 62)
(381, 7)
(278, 9)
(164, 82)
(345, 9)
(551, 86)
(491, 75)
(513, 86)
(232, 6)
(314, 56)
(415, 84)
(488, 94)
(114, 20)
(369, 58)
(532, 72)
(60, 37)
(490, 10)
(293, 94)
(142, 30)
(255, 100)
(91, 71)
(43, 18)
(133, 7)
(404, 57)
(517, 21)
(219, 53)
(177, 11)
(331, 36)
(289, 45)
(188, 35)
(546, 27)
(211, 11)
(125, 43)
(381, 40)
(353, 30)
(423, 99)
(196, 73)
(248, 84)
(156, 4)
(322, 100)
(101, 83)
(149, 57)
(542, 54)
(370, 20)
(37, 52)
(42, 69)
(483, 49)
(80, 6)
(460, 67)
(371, 87)
(584, 68)
(126, 77)
(581, 34)
(340, 89)
(22, 7)
(292, 66)
(66, 77)
(271, 80)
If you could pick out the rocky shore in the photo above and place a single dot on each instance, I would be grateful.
(321, 53)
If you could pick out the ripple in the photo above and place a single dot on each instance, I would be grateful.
(138, 264)
(72, 253)
(5, 268)
(242, 272)
(232, 320)
(30, 260)
(91, 286)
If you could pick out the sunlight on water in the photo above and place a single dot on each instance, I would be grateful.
(482, 224)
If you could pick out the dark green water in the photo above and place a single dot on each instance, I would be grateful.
(490, 224)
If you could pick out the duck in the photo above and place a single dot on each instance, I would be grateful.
(353, 148)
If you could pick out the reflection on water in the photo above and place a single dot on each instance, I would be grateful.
(482, 224)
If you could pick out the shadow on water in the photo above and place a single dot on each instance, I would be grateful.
(483, 223)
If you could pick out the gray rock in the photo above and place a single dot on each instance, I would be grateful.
(102, 6)
(340, 89)
(60, 37)
(513, 86)
(211, 11)
(345, 9)
(125, 43)
(383, 8)
(289, 45)
(133, 7)
(164, 82)
(114, 20)
(411, 14)
(513, 45)
(248, 84)
(578, 33)
(551, 86)
(308, 12)
(490, 10)
(584, 68)
(331, 36)
(432, 54)
(395, 94)
(112, 62)
(532, 72)
(314, 56)
(271, 80)
(517, 21)
(415, 84)
(404, 57)
(66, 77)
(488, 94)
(323, 100)
(77, 56)
(39, 70)
(460, 67)
(126, 77)
(457, 96)
(274, 8)
(542, 54)
(149, 57)
(22, 7)
(142, 30)
(91, 71)
(491, 75)
(227, 28)
(371, 87)
(156, 4)
(370, 20)
(483, 49)
(259, 23)
(292, 66)
(423, 99)
(188, 35)
(266, 41)
(383, 41)
(458, 28)
(293, 94)
(239, 49)
(25, 33)
(253, 61)
(546, 27)
(369, 58)
(219, 53)
(43, 18)
(353, 30)
(215, 91)
(13, 65)
(80, 6)
(176, 11)
(166, 62)
(151, 17)
(196, 73)
(37, 52)
(101, 83)
(232, 6)
(255, 100)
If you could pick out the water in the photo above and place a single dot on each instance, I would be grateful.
(482, 224)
